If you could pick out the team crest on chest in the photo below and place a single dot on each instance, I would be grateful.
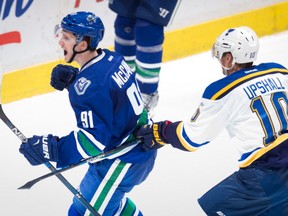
(81, 85)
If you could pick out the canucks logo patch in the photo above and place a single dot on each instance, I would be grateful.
(81, 85)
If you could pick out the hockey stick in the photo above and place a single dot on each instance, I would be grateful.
(92, 159)
(21, 136)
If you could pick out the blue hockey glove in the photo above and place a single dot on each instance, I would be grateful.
(153, 136)
(40, 149)
(62, 76)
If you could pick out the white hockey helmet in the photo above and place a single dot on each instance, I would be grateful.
(242, 42)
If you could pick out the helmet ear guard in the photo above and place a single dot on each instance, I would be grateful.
(83, 24)
(242, 42)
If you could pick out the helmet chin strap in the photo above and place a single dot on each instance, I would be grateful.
(225, 69)
(75, 53)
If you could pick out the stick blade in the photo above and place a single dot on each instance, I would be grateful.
(27, 185)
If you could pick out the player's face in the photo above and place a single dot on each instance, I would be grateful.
(67, 43)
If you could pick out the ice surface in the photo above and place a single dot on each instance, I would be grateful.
(178, 179)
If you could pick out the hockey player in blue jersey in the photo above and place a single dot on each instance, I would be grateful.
(108, 107)
(139, 35)
(250, 102)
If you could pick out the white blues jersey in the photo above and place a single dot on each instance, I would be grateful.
(251, 104)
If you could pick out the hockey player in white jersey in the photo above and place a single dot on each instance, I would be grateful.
(250, 102)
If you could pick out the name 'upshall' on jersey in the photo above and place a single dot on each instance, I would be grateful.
(108, 108)
(251, 104)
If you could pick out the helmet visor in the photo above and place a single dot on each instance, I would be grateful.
(215, 52)
(58, 32)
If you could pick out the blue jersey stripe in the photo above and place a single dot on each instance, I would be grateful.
(220, 88)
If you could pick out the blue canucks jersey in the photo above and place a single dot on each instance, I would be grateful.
(251, 104)
(107, 106)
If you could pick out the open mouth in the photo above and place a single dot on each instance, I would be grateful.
(65, 52)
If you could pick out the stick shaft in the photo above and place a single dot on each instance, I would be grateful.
(93, 159)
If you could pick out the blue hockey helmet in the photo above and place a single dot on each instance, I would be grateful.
(83, 24)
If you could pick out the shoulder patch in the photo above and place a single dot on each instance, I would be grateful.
(81, 85)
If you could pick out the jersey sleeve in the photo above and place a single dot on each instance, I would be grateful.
(67, 148)
(209, 120)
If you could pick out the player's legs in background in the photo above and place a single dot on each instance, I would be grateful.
(149, 39)
(139, 29)
(152, 16)
(125, 40)
(140, 43)
(124, 23)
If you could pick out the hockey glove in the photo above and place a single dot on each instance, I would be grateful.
(62, 76)
(40, 149)
(153, 136)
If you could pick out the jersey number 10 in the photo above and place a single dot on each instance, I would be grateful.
(279, 102)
